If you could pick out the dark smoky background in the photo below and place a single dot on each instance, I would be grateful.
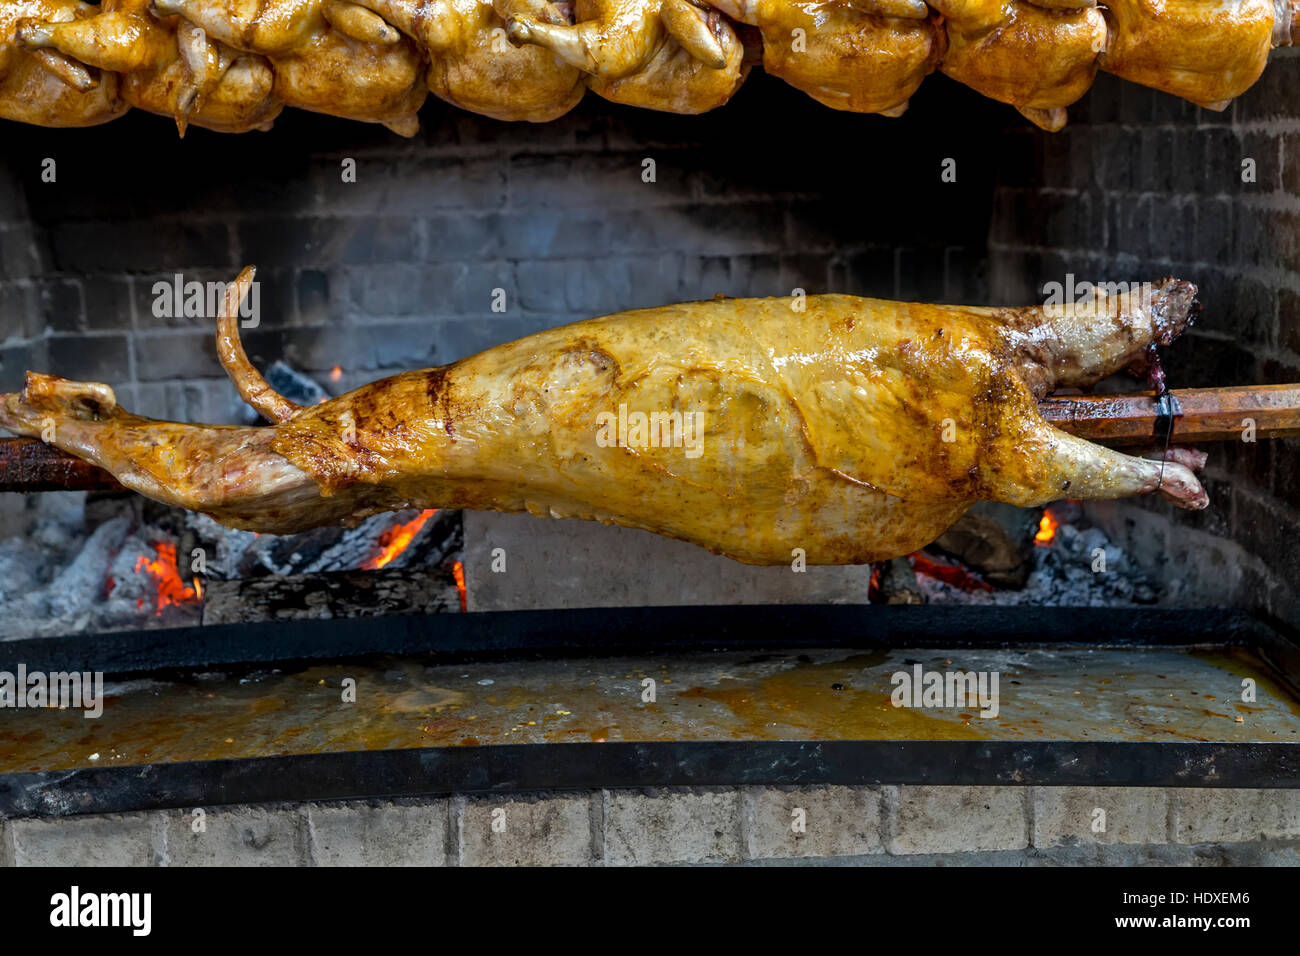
(770, 193)
(395, 271)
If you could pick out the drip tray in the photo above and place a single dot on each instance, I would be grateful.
(1210, 704)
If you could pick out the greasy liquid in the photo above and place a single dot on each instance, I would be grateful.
(1044, 694)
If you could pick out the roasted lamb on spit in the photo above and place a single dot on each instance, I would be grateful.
(855, 429)
(233, 64)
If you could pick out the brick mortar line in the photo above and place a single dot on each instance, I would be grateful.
(457, 806)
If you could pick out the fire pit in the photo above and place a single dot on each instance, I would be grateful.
(436, 664)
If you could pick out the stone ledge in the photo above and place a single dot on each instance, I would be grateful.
(908, 825)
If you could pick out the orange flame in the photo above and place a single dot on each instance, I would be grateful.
(458, 572)
(1047, 526)
(952, 574)
(396, 538)
(171, 590)
(336, 373)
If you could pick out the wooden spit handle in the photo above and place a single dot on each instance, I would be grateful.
(1208, 414)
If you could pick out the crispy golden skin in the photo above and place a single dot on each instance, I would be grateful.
(847, 55)
(326, 56)
(44, 87)
(669, 55)
(166, 65)
(1206, 51)
(1038, 60)
(473, 64)
(855, 429)
(232, 64)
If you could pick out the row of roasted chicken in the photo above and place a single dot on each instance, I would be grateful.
(233, 65)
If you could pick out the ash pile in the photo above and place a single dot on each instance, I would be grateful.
(999, 554)
(75, 563)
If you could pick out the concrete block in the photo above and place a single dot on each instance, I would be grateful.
(551, 830)
(568, 563)
(101, 840)
(952, 819)
(390, 834)
(237, 836)
(836, 821)
(1235, 816)
(696, 826)
(1066, 816)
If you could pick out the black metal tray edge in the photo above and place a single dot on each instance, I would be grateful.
(591, 632)
(390, 774)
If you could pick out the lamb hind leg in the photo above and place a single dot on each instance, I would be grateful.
(1076, 468)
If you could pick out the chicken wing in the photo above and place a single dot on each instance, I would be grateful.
(852, 428)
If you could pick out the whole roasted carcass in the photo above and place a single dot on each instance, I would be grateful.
(232, 64)
(854, 429)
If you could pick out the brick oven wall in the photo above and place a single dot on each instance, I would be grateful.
(397, 270)
(1142, 185)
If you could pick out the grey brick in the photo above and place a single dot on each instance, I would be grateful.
(156, 306)
(1266, 149)
(139, 245)
(320, 241)
(428, 289)
(548, 830)
(99, 359)
(466, 237)
(238, 836)
(21, 316)
(414, 182)
(110, 840)
(569, 180)
(20, 254)
(17, 360)
(583, 286)
(388, 834)
(62, 307)
(837, 821)
(180, 355)
(672, 827)
(1066, 816)
(1213, 242)
(603, 567)
(107, 301)
(456, 339)
(948, 819)
(1232, 816)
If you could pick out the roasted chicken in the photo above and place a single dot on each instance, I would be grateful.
(855, 55)
(854, 429)
(167, 65)
(992, 43)
(44, 86)
(232, 64)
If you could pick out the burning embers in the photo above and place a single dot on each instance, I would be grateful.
(396, 539)
(70, 564)
(1002, 556)
(170, 589)
(1047, 526)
